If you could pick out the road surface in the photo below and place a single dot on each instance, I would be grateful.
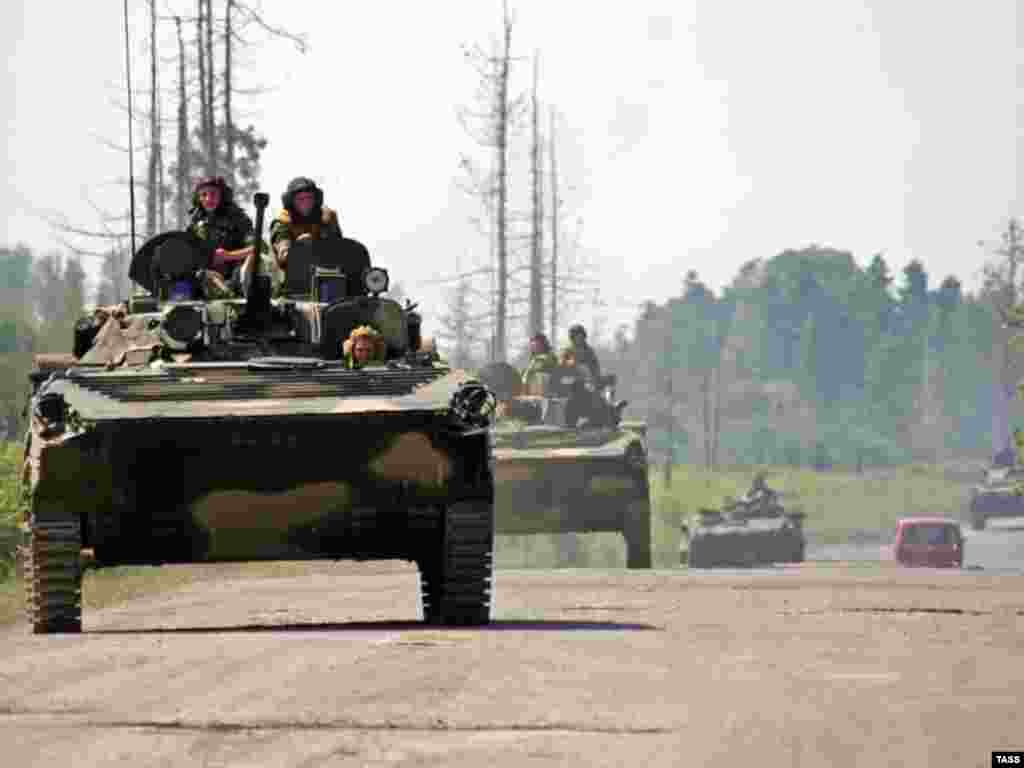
(818, 664)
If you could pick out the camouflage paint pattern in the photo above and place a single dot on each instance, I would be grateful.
(231, 487)
(998, 496)
(551, 480)
(214, 431)
(754, 542)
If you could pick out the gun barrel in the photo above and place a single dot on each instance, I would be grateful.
(260, 200)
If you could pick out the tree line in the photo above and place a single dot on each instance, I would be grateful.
(41, 298)
(809, 358)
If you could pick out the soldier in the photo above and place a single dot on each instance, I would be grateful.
(541, 357)
(585, 354)
(568, 360)
(219, 223)
(303, 216)
(364, 346)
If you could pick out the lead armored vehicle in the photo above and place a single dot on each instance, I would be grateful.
(185, 430)
(752, 530)
(999, 495)
(565, 462)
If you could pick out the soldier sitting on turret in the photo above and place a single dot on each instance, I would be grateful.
(364, 346)
(303, 216)
(541, 358)
(217, 221)
(585, 355)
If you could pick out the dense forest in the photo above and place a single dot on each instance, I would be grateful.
(808, 358)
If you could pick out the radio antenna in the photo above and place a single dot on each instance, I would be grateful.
(131, 148)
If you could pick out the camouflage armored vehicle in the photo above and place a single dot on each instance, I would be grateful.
(999, 495)
(185, 430)
(752, 530)
(565, 462)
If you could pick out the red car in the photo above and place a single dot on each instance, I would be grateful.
(936, 542)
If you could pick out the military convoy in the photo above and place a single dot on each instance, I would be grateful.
(998, 495)
(186, 430)
(566, 462)
(752, 530)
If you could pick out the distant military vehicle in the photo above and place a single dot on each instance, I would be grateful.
(753, 530)
(186, 430)
(565, 461)
(998, 495)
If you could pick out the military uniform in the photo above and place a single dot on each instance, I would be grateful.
(290, 225)
(586, 357)
(230, 228)
(542, 361)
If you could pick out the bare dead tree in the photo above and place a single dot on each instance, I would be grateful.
(537, 214)
(183, 169)
(555, 205)
(1003, 290)
(229, 128)
(204, 128)
(496, 116)
(211, 148)
(152, 177)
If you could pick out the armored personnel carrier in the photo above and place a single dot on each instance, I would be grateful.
(187, 430)
(998, 495)
(565, 462)
(753, 530)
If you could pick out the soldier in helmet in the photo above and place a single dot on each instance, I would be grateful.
(217, 221)
(541, 357)
(303, 216)
(583, 352)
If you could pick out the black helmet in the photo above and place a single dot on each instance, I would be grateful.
(302, 184)
(577, 330)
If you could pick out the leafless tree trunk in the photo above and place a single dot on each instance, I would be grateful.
(554, 231)
(152, 178)
(211, 147)
(204, 132)
(501, 332)
(1003, 289)
(229, 126)
(537, 216)
(184, 167)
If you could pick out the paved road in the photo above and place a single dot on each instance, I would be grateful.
(1000, 547)
(815, 664)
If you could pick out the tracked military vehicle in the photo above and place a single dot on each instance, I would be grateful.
(565, 462)
(998, 495)
(186, 430)
(752, 530)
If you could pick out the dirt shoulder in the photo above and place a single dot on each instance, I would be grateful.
(817, 664)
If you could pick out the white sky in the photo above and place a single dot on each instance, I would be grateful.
(697, 134)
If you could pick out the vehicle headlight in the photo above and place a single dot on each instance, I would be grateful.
(182, 325)
(376, 280)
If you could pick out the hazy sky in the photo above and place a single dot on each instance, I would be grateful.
(695, 134)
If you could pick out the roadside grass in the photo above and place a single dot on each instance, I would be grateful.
(10, 461)
(838, 505)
